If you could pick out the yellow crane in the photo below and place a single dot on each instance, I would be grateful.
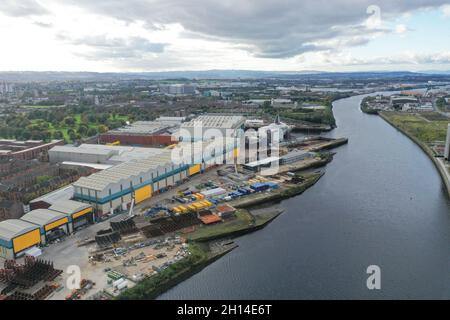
(115, 143)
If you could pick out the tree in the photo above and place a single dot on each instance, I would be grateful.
(91, 132)
(70, 121)
(26, 134)
(82, 129)
(92, 118)
(102, 128)
(72, 135)
(58, 135)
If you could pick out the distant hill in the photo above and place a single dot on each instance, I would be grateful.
(216, 74)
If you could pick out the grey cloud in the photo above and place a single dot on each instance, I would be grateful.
(102, 47)
(21, 8)
(43, 24)
(434, 58)
(267, 28)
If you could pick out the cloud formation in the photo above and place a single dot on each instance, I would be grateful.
(21, 8)
(103, 47)
(267, 28)
(139, 35)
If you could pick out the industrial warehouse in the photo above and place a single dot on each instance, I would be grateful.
(113, 189)
(100, 154)
(144, 133)
(62, 218)
(221, 125)
(17, 236)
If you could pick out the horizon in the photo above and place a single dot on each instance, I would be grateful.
(428, 71)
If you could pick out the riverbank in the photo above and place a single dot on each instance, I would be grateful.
(278, 194)
(441, 169)
(201, 256)
(366, 109)
(244, 223)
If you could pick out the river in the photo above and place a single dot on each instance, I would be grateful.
(381, 202)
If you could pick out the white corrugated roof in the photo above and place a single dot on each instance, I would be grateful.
(136, 167)
(43, 217)
(69, 206)
(89, 165)
(12, 228)
(100, 180)
(81, 150)
(64, 193)
(215, 121)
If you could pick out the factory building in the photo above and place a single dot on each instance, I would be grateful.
(263, 163)
(144, 133)
(42, 225)
(79, 213)
(16, 236)
(113, 189)
(100, 154)
(170, 121)
(227, 126)
(49, 222)
(277, 128)
(177, 89)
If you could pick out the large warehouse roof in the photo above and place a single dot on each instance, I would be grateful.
(112, 154)
(13, 228)
(141, 127)
(83, 150)
(216, 121)
(69, 206)
(181, 154)
(43, 217)
(100, 180)
(64, 193)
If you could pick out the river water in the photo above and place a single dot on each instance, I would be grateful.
(381, 202)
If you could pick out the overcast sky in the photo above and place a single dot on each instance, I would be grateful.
(288, 35)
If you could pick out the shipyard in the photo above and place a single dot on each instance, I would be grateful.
(215, 152)
(135, 211)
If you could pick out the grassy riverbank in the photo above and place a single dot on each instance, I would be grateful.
(153, 286)
(421, 132)
(427, 128)
(244, 223)
(365, 106)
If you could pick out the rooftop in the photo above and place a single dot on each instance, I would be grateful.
(64, 193)
(141, 127)
(262, 162)
(115, 154)
(100, 180)
(43, 217)
(215, 121)
(12, 228)
(81, 149)
(69, 206)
